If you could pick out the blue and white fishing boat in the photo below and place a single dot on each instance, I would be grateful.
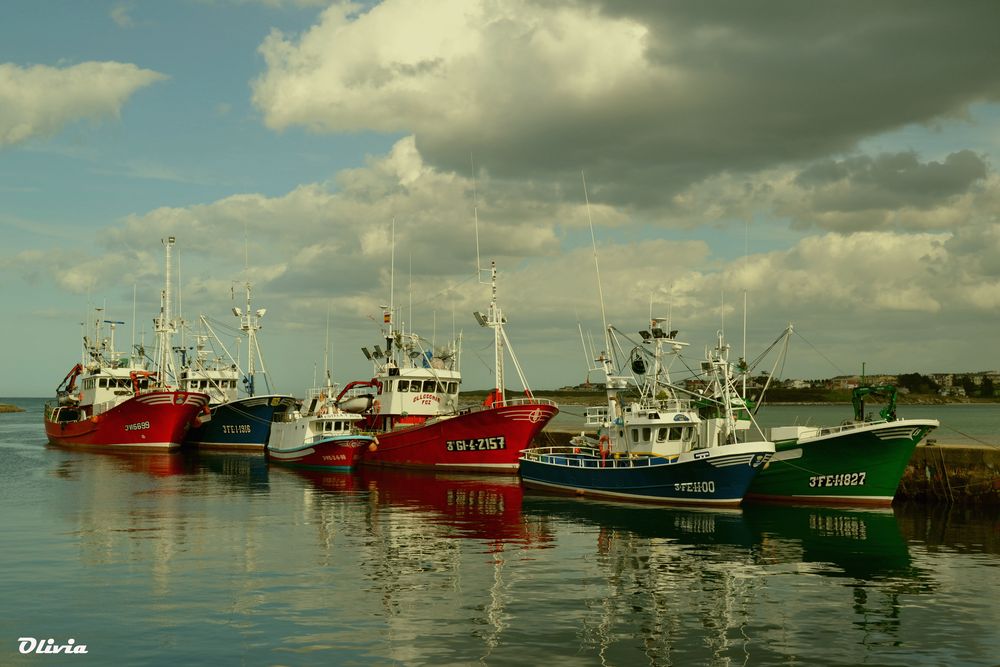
(319, 435)
(233, 421)
(655, 443)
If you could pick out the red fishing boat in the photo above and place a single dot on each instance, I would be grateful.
(108, 400)
(412, 405)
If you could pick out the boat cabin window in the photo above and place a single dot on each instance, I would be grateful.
(452, 387)
(635, 435)
(414, 386)
(104, 383)
(429, 385)
(646, 434)
(661, 434)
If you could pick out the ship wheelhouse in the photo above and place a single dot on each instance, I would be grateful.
(221, 384)
(419, 391)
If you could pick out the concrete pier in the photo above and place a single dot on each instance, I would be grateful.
(952, 474)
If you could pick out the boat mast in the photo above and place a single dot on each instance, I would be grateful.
(164, 323)
(250, 325)
(494, 319)
(597, 268)
(131, 350)
(387, 313)
(113, 353)
(613, 383)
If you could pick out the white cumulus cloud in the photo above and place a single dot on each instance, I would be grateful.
(41, 100)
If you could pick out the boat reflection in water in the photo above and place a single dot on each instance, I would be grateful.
(865, 544)
(154, 463)
(485, 507)
(235, 471)
(440, 551)
(694, 582)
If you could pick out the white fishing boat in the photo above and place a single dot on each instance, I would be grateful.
(318, 434)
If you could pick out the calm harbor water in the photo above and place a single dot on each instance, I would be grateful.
(195, 558)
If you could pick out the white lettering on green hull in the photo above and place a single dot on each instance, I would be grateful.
(844, 479)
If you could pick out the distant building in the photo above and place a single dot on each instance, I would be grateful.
(945, 380)
(584, 386)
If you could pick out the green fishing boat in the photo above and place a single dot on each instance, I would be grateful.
(859, 462)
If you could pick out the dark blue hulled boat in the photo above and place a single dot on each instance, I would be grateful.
(718, 477)
(233, 421)
(653, 444)
(243, 423)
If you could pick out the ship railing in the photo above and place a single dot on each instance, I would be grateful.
(672, 405)
(524, 401)
(846, 426)
(326, 392)
(571, 456)
(510, 402)
(597, 415)
(352, 433)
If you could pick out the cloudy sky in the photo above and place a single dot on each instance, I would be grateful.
(835, 162)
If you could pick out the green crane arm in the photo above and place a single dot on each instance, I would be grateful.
(886, 391)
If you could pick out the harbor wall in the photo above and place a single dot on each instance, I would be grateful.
(952, 473)
(937, 473)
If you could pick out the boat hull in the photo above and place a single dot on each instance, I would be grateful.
(334, 453)
(153, 420)
(241, 424)
(859, 465)
(716, 477)
(486, 440)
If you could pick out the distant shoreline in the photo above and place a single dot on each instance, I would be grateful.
(586, 397)
(4, 407)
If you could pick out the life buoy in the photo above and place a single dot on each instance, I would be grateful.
(605, 446)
